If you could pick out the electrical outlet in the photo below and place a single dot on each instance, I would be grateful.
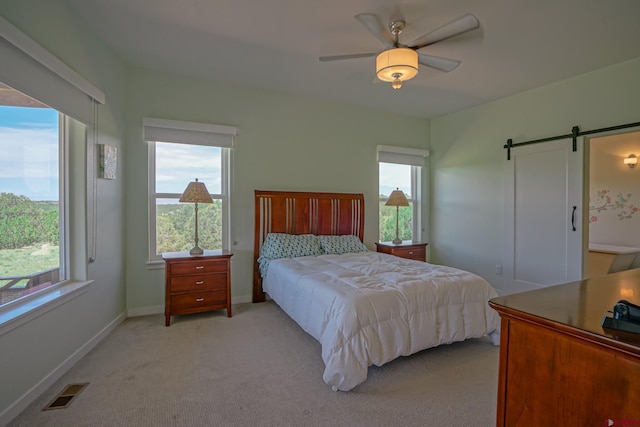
(498, 269)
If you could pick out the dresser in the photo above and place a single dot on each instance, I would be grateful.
(558, 366)
(194, 284)
(406, 249)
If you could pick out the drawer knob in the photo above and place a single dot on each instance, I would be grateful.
(199, 267)
(199, 282)
(199, 299)
(410, 252)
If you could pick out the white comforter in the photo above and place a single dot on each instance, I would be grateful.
(370, 308)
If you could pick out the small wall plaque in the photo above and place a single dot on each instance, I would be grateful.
(108, 161)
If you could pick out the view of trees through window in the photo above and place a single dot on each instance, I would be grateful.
(29, 197)
(391, 177)
(388, 222)
(175, 226)
(176, 165)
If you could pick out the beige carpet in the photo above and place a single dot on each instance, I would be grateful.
(259, 368)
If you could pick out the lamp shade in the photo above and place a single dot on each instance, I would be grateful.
(196, 192)
(399, 63)
(397, 198)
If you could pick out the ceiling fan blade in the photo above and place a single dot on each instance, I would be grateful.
(373, 23)
(341, 57)
(454, 28)
(437, 62)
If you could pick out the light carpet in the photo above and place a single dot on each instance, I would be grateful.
(258, 368)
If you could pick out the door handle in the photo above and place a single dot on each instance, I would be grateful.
(573, 218)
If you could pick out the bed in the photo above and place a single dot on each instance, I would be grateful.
(365, 308)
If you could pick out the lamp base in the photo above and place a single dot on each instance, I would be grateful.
(396, 241)
(197, 250)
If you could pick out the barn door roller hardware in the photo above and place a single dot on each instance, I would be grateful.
(575, 133)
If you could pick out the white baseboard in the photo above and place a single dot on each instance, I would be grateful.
(26, 399)
(159, 309)
(145, 311)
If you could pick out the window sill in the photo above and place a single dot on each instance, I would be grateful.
(155, 264)
(19, 313)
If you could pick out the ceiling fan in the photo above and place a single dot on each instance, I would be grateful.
(399, 62)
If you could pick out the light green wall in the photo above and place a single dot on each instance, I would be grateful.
(284, 142)
(32, 354)
(467, 157)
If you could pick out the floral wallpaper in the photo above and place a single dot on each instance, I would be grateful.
(602, 201)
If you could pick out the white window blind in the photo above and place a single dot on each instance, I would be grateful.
(163, 130)
(31, 69)
(401, 155)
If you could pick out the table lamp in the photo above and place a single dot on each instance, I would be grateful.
(196, 192)
(397, 199)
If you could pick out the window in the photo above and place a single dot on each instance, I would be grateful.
(180, 152)
(57, 101)
(32, 250)
(400, 168)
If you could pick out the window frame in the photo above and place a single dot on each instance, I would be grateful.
(183, 133)
(63, 213)
(26, 308)
(415, 158)
(34, 71)
(415, 201)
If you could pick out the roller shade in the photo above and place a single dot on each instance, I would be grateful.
(28, 67)
(401, 155)
(163, 130)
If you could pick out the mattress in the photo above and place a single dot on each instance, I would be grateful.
(370, 308)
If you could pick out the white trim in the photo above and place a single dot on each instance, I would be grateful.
(145, 311)
(159, 309)
(46, 59)
(154, 260)
(30, 396)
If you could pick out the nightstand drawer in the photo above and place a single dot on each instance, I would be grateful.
(199, 283)
(198, 267)
(411, 253)
(196, 302)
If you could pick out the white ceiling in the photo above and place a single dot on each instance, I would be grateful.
(520, 45)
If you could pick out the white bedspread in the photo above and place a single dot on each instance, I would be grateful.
(370, 308)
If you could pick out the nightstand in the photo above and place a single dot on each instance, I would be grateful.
(194, 284)
(406, 249)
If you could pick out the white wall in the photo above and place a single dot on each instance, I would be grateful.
(284, 142)
(467, 157)
(33, 354)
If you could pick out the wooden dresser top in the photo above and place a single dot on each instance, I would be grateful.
(577, 305)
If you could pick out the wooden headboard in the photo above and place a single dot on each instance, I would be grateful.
(295, 212)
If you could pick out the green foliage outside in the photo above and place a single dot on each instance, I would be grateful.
(26, 223)
(28, 236)
(29, 260)
(175, 226)
(387, 217)
(29, 230)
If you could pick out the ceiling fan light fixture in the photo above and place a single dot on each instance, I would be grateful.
(398, 63)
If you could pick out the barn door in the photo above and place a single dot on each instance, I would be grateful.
(544, 202)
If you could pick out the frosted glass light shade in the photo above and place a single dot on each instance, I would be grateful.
(400, 61)
(631, 160)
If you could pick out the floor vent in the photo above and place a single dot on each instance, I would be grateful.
(64, 398)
